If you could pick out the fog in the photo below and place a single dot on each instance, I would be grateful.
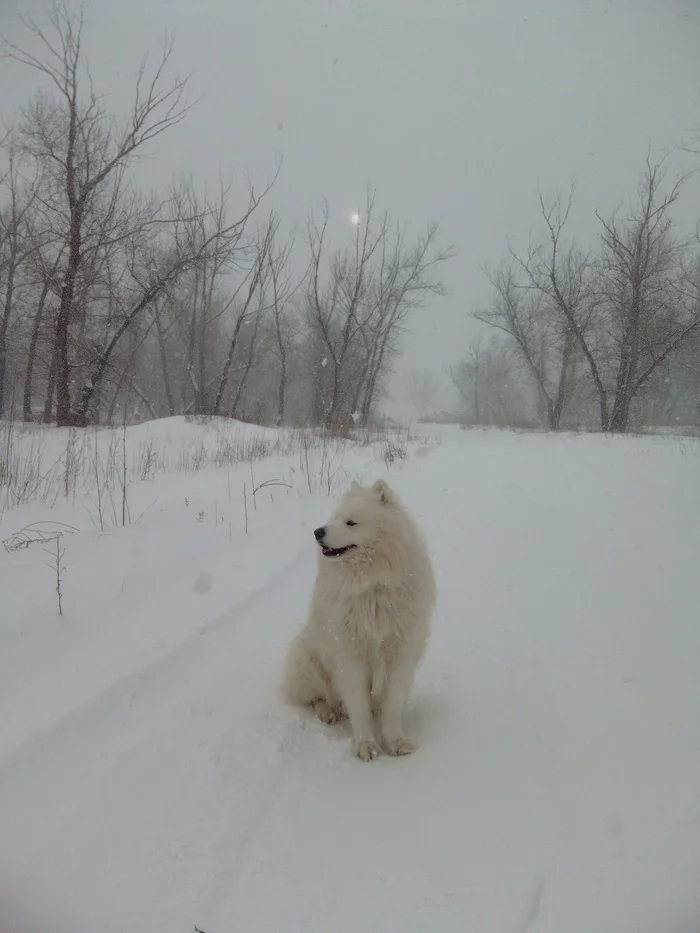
(451, 111)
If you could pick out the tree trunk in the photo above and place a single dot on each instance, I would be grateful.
(192, 341)
(164, 364)
(330, 413)
(31, 358)
(202, 371)
(4, 323)
(355, 407)
(223, 382)
(50, 387)
(619, 419)
(372, 377)
(551, 416)
(99, 367)
(282, 387)
(619, 416)
(249, 363)
(3, 367)
(64, 415)
(558, 408)
(97, 405)
(115, 398)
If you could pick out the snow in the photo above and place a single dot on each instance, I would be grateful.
(151, 779)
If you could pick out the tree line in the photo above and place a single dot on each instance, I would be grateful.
(120, 305)
(607, 337)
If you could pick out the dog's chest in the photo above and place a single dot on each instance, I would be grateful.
(373, 618)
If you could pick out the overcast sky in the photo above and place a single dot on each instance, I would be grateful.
(452, 109)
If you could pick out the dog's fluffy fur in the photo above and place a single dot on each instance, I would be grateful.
(368, 622)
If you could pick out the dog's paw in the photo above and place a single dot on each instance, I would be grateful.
(402, 746)
(366, 750)
(340, 713)
(325, 712)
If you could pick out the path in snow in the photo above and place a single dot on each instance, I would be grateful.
(558, 714)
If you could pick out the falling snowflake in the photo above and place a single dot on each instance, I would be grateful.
(324, 361)
(355, 416)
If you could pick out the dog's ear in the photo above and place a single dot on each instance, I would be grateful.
(381, 487)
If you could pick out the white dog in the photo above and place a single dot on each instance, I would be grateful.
(369, 620)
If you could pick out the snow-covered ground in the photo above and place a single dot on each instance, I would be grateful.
(151, 780)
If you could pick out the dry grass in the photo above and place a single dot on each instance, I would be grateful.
(100, 465)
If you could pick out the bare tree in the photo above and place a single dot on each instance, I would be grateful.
(337, 306)
(650, 310)
(14, 249)
(46, 270)
(623, 312)
(422, 389)
(283, 289)
(206, 297)
(124, 262)
(161, 336)
(114, 302)
(527, 317)
(490, 386)
(405, 276)
(466, 378)
(563, 278)
(153, 267)
(357, 304)
(247, 302)
(84, 152)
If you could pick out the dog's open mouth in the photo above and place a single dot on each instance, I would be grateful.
(335, 551)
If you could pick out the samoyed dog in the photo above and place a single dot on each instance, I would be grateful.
(368, 622)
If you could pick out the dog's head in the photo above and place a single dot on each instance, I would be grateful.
(362, 522)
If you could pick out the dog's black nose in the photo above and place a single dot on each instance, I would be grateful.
(319, 533)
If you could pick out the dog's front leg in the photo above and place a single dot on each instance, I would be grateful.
(398, 685)
(352, 683)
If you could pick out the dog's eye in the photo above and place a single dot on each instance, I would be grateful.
(350, 523)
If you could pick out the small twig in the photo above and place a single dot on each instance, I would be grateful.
(100, 509)
(145, 510)
(31, 534)
(252, 483)
(59, 569)
(270, 482)
(125, 505)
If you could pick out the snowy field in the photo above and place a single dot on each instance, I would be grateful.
(151, 780)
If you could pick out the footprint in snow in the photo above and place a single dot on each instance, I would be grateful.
(203, 583)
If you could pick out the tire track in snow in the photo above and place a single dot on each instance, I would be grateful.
(131, 682)
(181, 729)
